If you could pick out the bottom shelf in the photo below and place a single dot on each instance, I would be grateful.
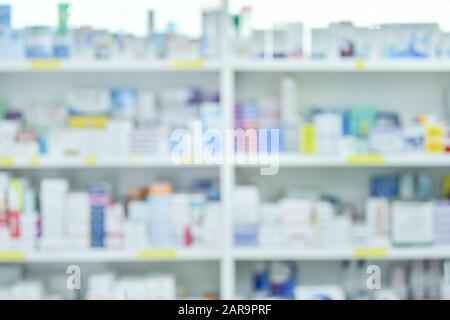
(369, 253)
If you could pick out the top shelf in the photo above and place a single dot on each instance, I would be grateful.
(61, 66)
(351, 65)
(196, 65)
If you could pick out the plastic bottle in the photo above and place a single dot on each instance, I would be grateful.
(160, 227)
(445, 284)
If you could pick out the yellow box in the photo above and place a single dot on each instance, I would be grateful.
(434, 146)
(308, 139)
(434, 138)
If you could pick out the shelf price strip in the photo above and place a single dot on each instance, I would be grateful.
(7, 161)
(187, 64)
(136, 160)
(45, 64)
(90, 160)
(156, 254)
(365, 159)
(34, 161)
(369, 253)
(12, 256)
(360, 64)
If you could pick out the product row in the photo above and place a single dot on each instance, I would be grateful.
(340, 131)
(283, 41)
(416, 280)
(106, 285)
(153, 216)
(399, 211)
(86, 43)
(286, 40)
(110, 122)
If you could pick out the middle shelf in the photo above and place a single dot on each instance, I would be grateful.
(237, 254)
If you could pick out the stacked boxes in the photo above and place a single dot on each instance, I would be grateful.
(78, 220)
(441, 222)
(160, 228)
(53, 197)
(99, 199)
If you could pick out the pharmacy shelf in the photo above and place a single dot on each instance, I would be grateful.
(357, 253)
(251, 161)
(105, 256)
(37, 162)
(61, 66)
(361, 160)
(351, 65)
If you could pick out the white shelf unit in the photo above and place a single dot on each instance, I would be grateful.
(228, 72)
(111, 256)
(369, 253)
(350, 65)
(298, 161)
(108, 66)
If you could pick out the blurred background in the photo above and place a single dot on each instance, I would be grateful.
(103, 197)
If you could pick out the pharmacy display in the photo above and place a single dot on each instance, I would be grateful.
(338, 131)
(115, 122)
(85, 43)
(411, 280)
(401, 210)
(150, 217)
(93, 171)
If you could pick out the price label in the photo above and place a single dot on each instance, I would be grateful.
(187, 64)
(34, 161)
(12, 256)
(365, 159)
(46, 64)
(90, 160)
(360, 64)
(7, 161)
(369, 253)
(156, 254)
(136, 160)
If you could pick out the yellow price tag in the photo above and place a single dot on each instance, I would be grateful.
(157, 254)
(12, 256)
(187, 160)
(7, 161)
(136, 160)
(360, 64)
(34, 161)
(83, 122)
(369, 253)
(90, 160)
(46, 64)
(363, 159)
(188, 64)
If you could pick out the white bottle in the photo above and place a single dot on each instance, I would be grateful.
(445, 284)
